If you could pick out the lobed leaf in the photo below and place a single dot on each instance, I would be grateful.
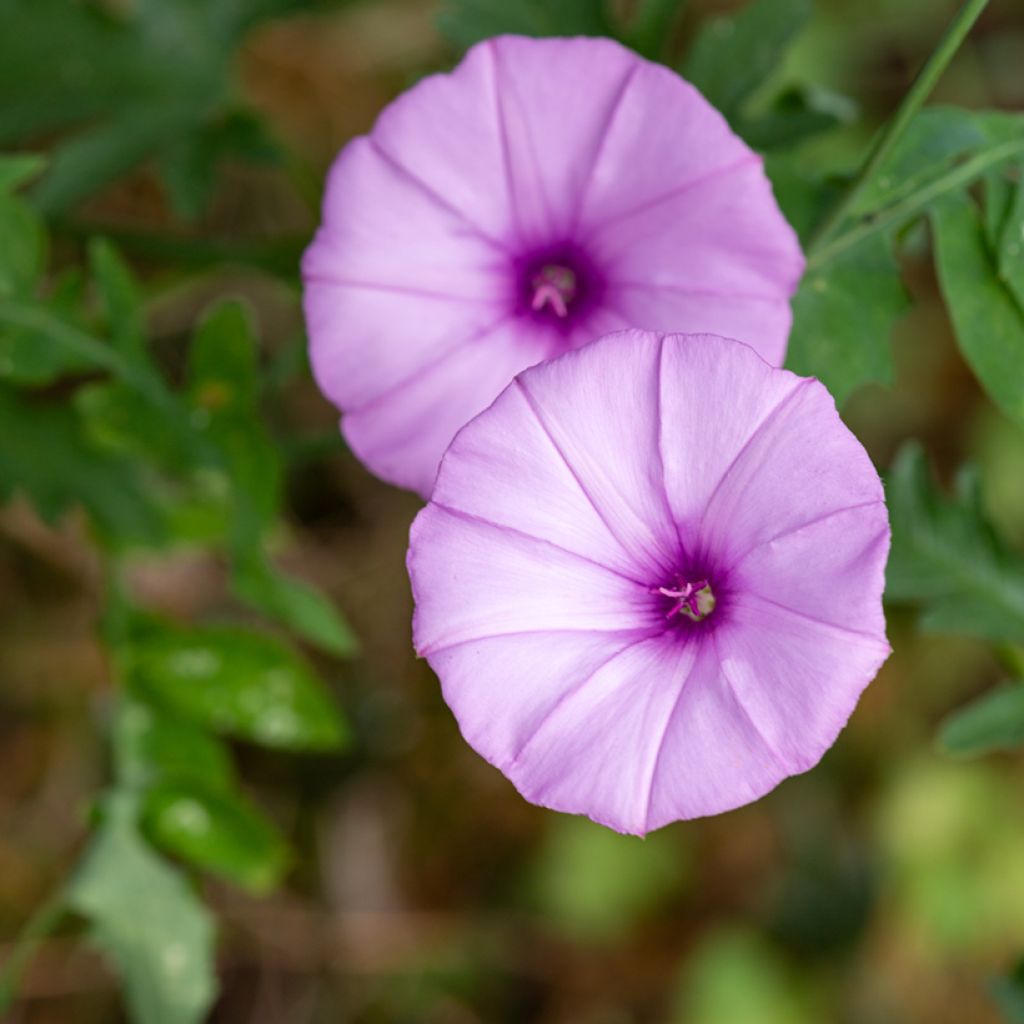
(120, 301)
(946, 555)
(843, 316)
(992, 722)
(44, 455)
(1008, 992)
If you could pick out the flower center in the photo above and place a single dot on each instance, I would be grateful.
(554, 287)
(692, 600)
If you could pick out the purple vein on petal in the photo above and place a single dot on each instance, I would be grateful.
(659, 447)
(532, 404)
(405, 382)
(506, 156)
(776, 411)
(698, 652)
(824, 517)
(432, 194)
(398, 289)
(632, 635)
(665, 197)
(602, 138)
(807, 617)
(566, 696)
(473, 518)
(755, 725)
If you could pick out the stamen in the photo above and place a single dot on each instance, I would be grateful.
(553, 286)
(695, 601)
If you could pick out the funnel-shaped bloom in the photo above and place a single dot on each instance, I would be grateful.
(544, 193)
(650, 578)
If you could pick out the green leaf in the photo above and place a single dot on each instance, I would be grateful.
(152, 744)
(120, 300)
(238, 682)
(18, 168)
(993, 722)
(465, 22)
(650, 28)
(1010, 246)
(1008, 993)
(147, 920)
(23, 248)
(803, 197)
(223, 388)
(733, 56)
(136, 79)
(28, 355)
(44, 455)
(843, 316)
(223, 367)
(117, 418)
(86, 163)
(999, 197)
(215, 830)
(794, 115)
(937, 139)
(190, 167)
(294, 604)
(988, 320)
(946, 556)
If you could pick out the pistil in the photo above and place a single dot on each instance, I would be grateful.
(553, 286)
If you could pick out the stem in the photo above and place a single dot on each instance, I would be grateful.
(39, 926)
(903, 210)
(918, 93)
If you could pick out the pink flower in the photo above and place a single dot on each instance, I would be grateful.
(650, 578)
(542, 194)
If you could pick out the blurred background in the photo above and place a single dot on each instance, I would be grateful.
(884, 887)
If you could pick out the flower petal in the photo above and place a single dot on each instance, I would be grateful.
(601, 415)
(523, 116)
(503, 688)
(714, 396)
(801, 463)
(592, 753)
(711, 756)
(470, 577)
(555, 100)
(847, 548)
(508, 454)
(723, 237)
(798, 677)
(731, 315)
(403, 432)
